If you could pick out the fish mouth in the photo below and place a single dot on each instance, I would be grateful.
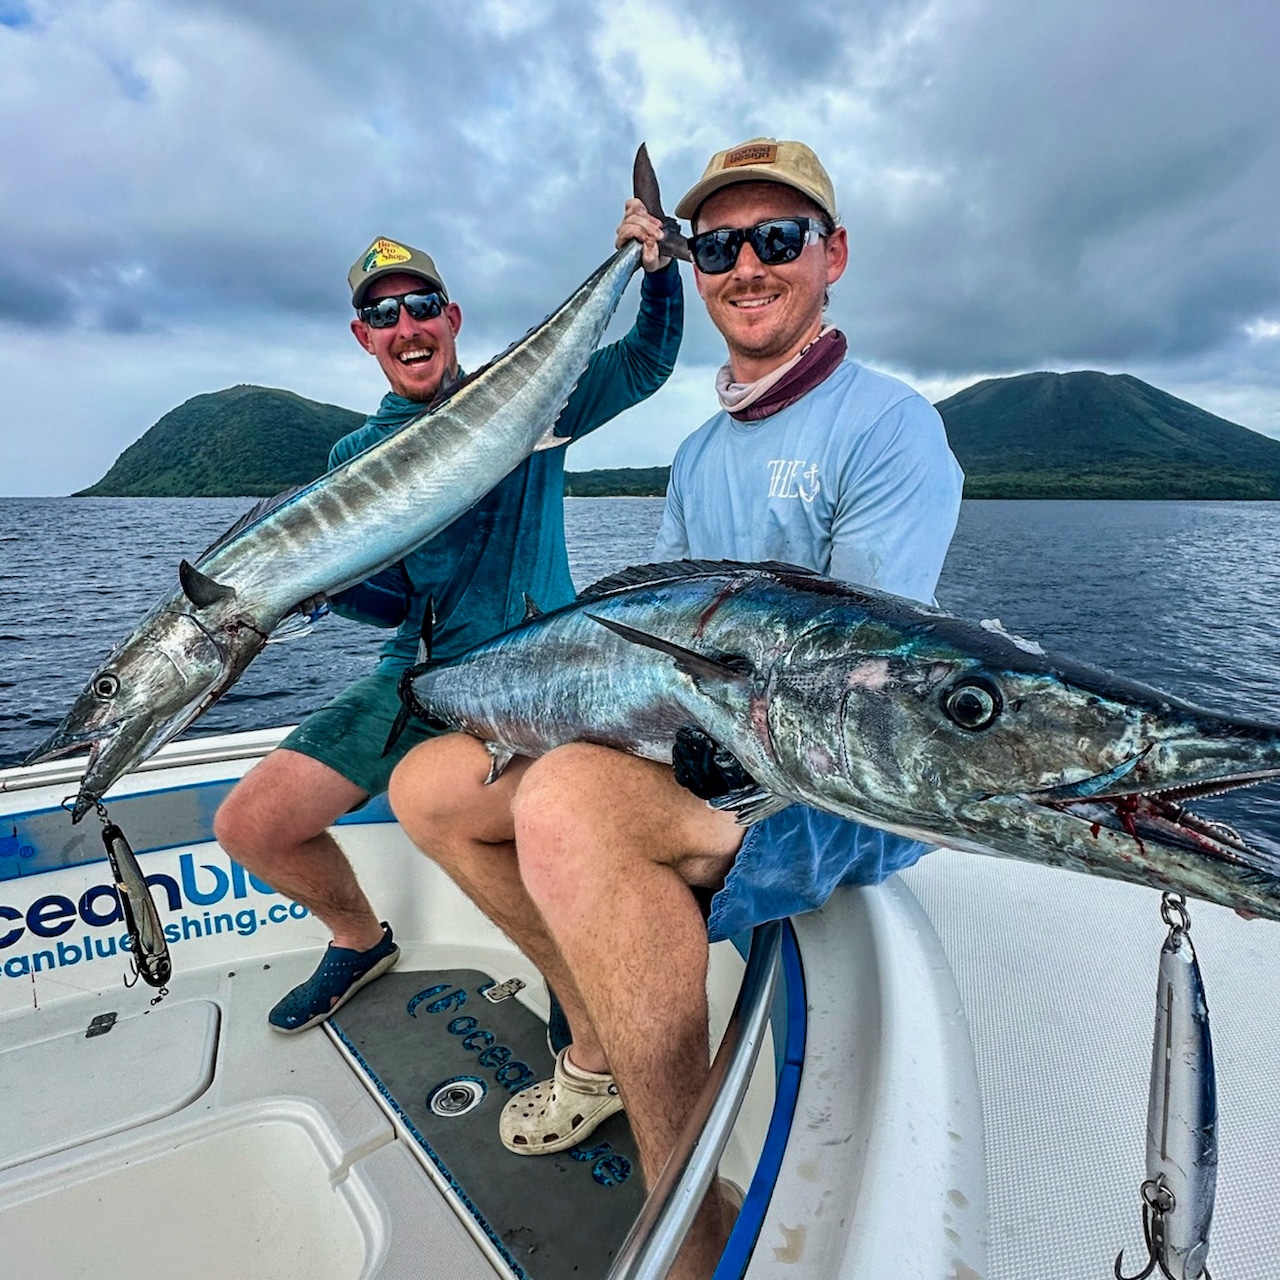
(62, 743)
(97, 740)
(1159, 814)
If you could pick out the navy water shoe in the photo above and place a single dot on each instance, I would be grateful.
(340, 974)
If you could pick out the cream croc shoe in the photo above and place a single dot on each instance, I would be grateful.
(554, 1115)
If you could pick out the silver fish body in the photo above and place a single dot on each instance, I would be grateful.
(1182, 1117)
(881, 710)
(342, 528)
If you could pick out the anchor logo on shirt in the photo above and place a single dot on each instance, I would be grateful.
(787, 480)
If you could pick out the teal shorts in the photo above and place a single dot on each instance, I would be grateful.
(349, 733)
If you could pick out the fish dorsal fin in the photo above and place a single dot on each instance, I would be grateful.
(199, 588)
(531, 609)
(638, 575)
(697, 665)
(750, 804)
(255, 512)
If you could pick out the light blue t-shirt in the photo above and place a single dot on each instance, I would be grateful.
(855, 480)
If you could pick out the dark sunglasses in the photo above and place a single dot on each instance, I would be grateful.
(776, 241)
(385, 313)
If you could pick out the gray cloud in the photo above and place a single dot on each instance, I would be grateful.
(1059, 185)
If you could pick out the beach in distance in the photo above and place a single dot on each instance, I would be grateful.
(1181, 595)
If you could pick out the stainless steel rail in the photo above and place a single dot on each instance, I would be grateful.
(657, 1234)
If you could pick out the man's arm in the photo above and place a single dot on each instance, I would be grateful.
(633, 368)
(380, 601)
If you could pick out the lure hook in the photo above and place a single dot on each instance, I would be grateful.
(1157, 1200)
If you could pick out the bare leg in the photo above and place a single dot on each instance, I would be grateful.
(438, 793)
(609, 846)
(275, 823)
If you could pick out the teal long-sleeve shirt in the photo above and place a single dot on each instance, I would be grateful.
(478, 569)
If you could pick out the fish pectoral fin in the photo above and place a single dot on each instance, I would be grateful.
(201, 589)
(499, 758)
(698, 666)
(426, 632)
(294, 627)
(750, 804)
(549, 439)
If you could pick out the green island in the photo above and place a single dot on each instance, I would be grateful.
(1037, 435)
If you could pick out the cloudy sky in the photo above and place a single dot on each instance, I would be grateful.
(1055, 185)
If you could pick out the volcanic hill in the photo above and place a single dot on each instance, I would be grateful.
(1098, 435)
(242, 442)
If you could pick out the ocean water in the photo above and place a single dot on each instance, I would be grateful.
(1182, 595)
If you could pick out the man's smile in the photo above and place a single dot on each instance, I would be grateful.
(753, 303)
(416, 355)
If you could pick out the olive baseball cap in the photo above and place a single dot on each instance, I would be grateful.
(388, 257)
(763, 160)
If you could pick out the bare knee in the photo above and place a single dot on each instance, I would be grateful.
(570, 795)
(585, 812)
(572, 814)
(286, 800)
(237, 826)
(439, 793)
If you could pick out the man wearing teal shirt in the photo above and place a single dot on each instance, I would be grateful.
(475, 574)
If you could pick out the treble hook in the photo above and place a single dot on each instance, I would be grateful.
(1157, 1200)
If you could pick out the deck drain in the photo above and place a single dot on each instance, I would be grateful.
(457, 1096)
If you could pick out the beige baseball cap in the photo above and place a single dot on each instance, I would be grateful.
(387, 257)
(763, 160)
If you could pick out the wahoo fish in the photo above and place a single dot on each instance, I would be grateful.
(878, 709)
(342, 528)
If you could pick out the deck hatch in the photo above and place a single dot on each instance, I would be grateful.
(78, 1086)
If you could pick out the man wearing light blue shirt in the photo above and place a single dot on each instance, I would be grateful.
(611, 872)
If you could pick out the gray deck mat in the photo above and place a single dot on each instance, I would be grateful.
(552, 1217)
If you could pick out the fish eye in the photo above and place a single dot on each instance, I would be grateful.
(106, 686)
(973, 704)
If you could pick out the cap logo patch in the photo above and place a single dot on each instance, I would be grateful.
(384, 253)
(752, 153)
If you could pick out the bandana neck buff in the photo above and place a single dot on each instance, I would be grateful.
(752, 401)
(395, 410)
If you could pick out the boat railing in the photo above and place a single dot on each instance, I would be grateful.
(242, 746)
(658, 1232)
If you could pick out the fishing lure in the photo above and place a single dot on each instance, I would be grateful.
(1182, 1115)
(146, 935)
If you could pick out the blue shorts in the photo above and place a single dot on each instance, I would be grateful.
(793, 861)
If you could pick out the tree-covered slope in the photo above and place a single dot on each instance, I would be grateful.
(1097, 435)
(242, 441)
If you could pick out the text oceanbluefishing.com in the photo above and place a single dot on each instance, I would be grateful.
(49, 928)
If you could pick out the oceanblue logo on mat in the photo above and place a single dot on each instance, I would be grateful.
(53, 915)
(510, 1073)
(608, 1167)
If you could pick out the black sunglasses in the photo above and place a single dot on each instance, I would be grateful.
(385, 313)
(775, 241)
